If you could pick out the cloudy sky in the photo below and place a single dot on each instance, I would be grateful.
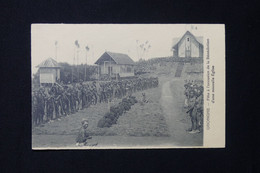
(120, 38)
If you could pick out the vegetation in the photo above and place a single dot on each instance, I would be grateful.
(36, 79)
(78, 72)
(111, 117)
(151, 65)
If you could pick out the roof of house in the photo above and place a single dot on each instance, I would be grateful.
(176, 40)
(119, 58)
(49, 63)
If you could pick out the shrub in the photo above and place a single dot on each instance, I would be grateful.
(107, 124)
(111, 117)
(101, 122)
(132, 101)
(114, 109)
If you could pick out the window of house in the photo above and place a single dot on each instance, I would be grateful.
(122, 69)
(128, 69)
(110, 70)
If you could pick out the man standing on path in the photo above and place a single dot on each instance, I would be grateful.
(192, 111)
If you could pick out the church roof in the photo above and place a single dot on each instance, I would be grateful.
(176, 40)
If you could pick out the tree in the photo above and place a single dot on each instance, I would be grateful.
(65, 74)
(36, 78)
(142, 49)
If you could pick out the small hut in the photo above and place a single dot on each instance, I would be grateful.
(49, 71)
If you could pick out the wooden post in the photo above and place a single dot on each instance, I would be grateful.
(116, 75)
(98, 72)
(110, 71)
(104, 67)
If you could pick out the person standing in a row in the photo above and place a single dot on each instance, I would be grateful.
(194, 104)
(51, 103)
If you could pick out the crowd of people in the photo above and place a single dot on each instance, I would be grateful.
(194, 104)
(50, 103)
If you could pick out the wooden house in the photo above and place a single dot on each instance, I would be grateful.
(115, 64)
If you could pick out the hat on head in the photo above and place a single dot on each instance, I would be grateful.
(84, 121)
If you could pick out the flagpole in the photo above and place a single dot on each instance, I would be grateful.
(56, 47)
(77, 54)
(78, 63)
(86, 67)
(87, 49)
(73, 65)
(137, 48)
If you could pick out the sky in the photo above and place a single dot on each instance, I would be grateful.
(119, 38)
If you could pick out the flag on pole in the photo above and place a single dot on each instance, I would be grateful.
(193, 27)
(77, 43)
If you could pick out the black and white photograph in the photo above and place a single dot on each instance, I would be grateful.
(123, 86)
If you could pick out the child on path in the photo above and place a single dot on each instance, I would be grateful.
(83, 136)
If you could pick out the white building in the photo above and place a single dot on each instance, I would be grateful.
(188, 46)
(49, 71)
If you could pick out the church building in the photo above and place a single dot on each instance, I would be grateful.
(188, 46)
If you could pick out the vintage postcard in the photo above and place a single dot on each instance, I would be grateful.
(128, 86)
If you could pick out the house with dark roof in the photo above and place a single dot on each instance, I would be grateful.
(49, 71)
(188, 46)
(115, 64)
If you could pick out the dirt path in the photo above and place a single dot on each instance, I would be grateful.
(167, 102)
(178, 122)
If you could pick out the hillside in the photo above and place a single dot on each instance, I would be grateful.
(169, 66)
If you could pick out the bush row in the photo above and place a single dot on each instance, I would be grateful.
(111, 117)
